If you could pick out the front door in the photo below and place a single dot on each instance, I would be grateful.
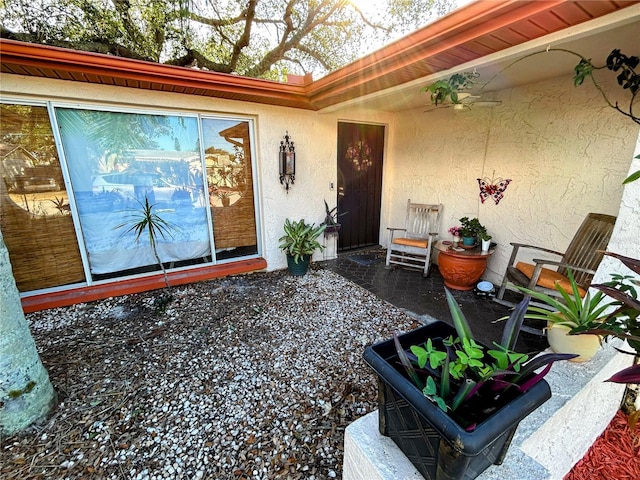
(360, 151)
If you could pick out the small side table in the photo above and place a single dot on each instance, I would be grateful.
(460, 268)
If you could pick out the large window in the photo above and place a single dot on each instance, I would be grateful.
(119, 161)
(195, 171)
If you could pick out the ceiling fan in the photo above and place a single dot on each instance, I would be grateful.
(466, 101)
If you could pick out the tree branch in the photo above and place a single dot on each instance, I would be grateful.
(243, 41)
(195, 58)
(315, 18)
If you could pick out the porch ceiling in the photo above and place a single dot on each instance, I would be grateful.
(484, 34)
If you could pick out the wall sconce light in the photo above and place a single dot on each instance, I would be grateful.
(287, 162)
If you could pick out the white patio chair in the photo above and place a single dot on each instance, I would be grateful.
(412, 248)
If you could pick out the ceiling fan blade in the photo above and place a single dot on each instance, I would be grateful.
(438, 107)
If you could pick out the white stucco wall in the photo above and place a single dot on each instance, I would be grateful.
(314, 134)
(626, 233)
(565, 151)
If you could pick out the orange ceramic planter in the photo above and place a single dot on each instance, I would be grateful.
(461, 272)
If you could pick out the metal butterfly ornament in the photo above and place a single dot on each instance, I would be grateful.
(493, 188)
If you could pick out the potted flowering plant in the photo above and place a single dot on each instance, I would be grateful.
(455, 231)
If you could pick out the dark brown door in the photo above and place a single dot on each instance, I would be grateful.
(360, 149)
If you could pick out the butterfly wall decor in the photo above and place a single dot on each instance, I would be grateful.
(493, 188)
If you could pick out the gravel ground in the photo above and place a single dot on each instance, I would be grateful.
(252, 376)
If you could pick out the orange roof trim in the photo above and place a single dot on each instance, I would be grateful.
(481, 28)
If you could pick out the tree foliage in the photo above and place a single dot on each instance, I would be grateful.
(257, 38)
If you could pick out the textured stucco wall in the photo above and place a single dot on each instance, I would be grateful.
(565, 151)
(626, 234)
(314, 134)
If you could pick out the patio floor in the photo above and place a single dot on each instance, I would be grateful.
(424, 298)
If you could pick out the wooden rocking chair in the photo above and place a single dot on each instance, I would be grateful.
(413, 248)
(583, 256)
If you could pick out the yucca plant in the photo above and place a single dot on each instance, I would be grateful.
(146, 220)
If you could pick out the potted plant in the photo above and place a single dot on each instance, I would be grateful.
(442, 91)
(451, 404)
(624, 321)
(470, 230)
(331, 218)
(455, 232)
(574, 310)
(299, 241)
(485, 238)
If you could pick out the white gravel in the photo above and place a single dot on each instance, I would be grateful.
(249, 377)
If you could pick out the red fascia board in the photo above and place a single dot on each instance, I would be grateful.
(88, 63)
(137, 285)
(476, 20)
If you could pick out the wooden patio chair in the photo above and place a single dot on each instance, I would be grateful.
(413, 247)
(583, 255)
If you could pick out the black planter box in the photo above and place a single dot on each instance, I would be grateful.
(437, 446)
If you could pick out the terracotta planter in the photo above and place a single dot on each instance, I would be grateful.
(461, 272)
(560, 342)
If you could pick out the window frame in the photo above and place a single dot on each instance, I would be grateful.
(198, 115)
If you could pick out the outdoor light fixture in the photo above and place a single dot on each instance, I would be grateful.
(287, 162)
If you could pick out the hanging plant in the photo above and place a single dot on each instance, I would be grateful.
(444, 90)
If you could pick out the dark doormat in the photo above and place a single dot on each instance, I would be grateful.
(366, 259)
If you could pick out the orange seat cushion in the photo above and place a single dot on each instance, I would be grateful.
(411, 242)
(549, 278)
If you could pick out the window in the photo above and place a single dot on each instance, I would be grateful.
(117, 162)
(227, 152)
(36, 221)
(196, 171)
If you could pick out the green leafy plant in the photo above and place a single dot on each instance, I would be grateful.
(443, 90)
(572, 310)
(457, 372)
(331, 218)
(471, 227)
(300, 238)
(624, 321)
(485, 236)
(146, 220)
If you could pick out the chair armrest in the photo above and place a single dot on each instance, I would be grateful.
(518, 246)
(392, 231)
(542, 261)
(539, 265)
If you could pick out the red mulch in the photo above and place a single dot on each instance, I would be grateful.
(615, 455)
